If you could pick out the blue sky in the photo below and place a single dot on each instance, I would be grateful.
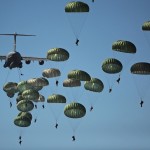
(117, 121)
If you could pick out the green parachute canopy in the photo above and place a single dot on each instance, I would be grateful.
(30, 94)
(56, 98)
(24, 85)
(71, 83)
(112, 66)
(124, 46)
(25, 105)
(10, 87)
(74, 110)
(57, 54)
(22, 121)
(77, 6)
(26, 114)
(141, 68)
(51, 72)
(38, 82)
(94, 85)
(146, 26)
(79, 75)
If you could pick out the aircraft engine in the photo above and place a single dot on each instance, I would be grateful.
(41, 62)
(28, 62)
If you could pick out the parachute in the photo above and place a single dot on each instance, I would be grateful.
(76, 13)
(25, 85)
(146, 26)
(71, 83)
(141, 77)
(94, 85)
(74, 110)
(10, 87)
(141, 68)
(51, 72)
(112, 66)
(124, 46)
(25, 105)
(146, 29)
(57, 103)
(26, 114)
(38, 82)
(57, 54)
(56, 98)
(22, 121)
(30, 94)
(79, 75)
(78, 6)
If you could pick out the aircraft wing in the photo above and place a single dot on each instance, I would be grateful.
(2, 58)
(34, 58)
(27, 58)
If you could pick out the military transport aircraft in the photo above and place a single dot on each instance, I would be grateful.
(14, 58)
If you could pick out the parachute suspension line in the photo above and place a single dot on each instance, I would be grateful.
(55, 117)
(108, 82)
(82, 25)
(8, 73)
(19, 74)
(20, 131)
(69, 20)
(137, 89)
(76, 34)
(74, 125)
